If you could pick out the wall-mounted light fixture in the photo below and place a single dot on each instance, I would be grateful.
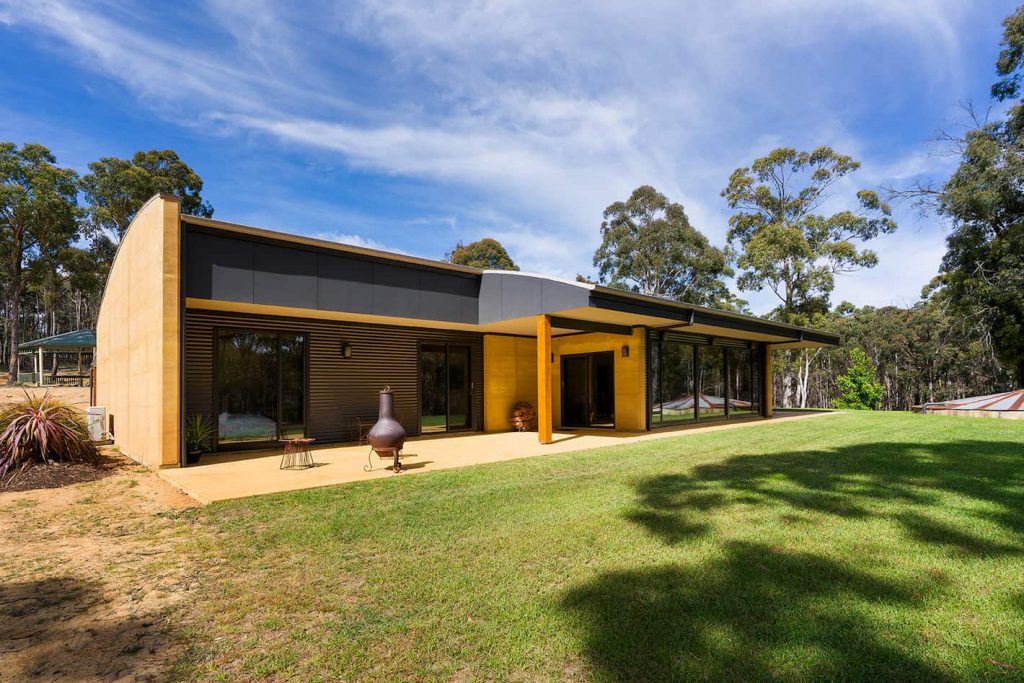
(625, 351)
(346, 350)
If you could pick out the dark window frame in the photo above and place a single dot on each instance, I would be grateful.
(471, 425)
(655, 347)
(247, 445)
(561, 389)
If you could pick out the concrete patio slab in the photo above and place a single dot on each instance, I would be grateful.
(235, 475)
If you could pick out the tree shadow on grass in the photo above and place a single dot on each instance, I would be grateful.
(846, 482)
(756, 613)
(58, 628)
(763, 612)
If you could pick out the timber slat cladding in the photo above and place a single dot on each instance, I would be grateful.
(340, 389)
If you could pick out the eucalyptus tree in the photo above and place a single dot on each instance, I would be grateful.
(786, 240)
(1010, 68)
(983, 268)
(648, 246)
(116, 189)
(39, 214)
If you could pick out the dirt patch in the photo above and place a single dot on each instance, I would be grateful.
(75, 396)
(91, 575)
(57, 474)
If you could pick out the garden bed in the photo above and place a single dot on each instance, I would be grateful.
(58, 474)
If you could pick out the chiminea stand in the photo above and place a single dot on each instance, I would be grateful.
(368, 467)
(387, 436)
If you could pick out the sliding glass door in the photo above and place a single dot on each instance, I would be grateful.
(672, 383)
(445, 388)
(261, 379)
(711, 380)
(588, 390)
(692, 381)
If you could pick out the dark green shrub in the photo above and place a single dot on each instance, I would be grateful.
(859, 388)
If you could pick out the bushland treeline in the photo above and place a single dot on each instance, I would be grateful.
(59, 232)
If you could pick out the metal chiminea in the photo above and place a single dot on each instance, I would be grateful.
(387, 436)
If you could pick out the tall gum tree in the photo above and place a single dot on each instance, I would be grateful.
(38, 211)
(648, 246)
(785, 242)
(982, 272)
(117, 188)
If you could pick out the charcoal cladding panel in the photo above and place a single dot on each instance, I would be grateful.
(340, 389)
(226, 267)
(218, 267)
(284, 277)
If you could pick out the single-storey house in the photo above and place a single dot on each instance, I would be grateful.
(271, 335)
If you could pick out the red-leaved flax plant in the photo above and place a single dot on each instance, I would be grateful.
(42, 430)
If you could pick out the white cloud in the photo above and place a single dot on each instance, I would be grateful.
(546, 111)
(354, 240)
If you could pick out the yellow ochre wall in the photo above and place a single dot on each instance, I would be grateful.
(630, 403)
(137, 337)
(510, 375)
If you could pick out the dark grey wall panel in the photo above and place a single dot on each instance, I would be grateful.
(258, 270)
(346, 284)
(520, 296)
(508, 295)
(284, 277)
(490, 298)
(218, 267)
(469, 299)
(559, 296)
(396, 291)
(340, 389)
(440, 296)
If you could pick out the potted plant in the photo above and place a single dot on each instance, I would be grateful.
(198, 435)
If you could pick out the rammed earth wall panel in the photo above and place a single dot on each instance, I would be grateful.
(138, 339)
(340, 389)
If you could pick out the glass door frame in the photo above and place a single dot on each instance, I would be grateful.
(589, 392)
(470, 388)
(245, 445)
(760, 379)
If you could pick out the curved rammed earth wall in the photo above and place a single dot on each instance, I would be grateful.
(138, 337)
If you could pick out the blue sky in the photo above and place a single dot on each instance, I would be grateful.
(409, 125)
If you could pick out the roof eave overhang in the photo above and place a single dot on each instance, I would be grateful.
(790, 336)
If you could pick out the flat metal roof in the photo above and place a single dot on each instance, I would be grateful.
(506, 296)
(68, 340)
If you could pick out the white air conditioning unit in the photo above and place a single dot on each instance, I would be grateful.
(96, 418)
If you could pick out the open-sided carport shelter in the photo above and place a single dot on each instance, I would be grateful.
(271, 335)
(44, 357)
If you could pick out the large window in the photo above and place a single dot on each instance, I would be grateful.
(672, 383)
(695, 381)
(260, 386)
(711, 379)
(741, 382)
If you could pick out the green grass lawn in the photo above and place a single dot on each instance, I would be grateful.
(857, 546)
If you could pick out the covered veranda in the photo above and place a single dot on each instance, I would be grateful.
(60, 360)
(223, 476)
